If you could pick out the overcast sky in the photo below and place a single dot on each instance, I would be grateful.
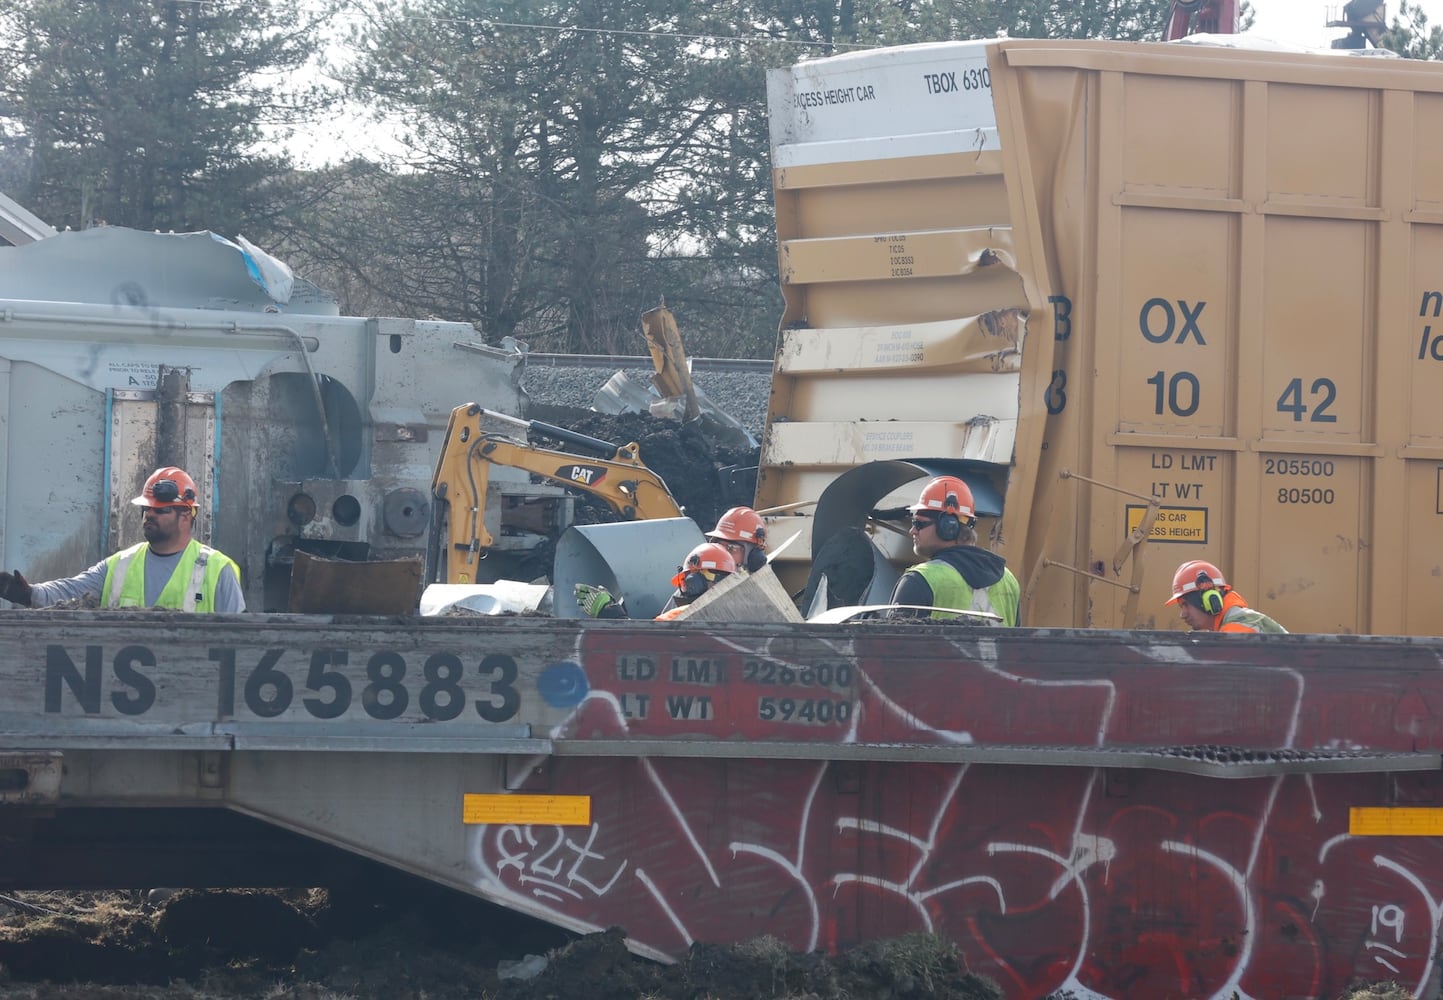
(1302, 21)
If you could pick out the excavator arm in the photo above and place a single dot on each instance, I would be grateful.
(463, 472)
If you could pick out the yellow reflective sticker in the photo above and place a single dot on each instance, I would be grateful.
(1381, 822)
(1173, 524)
(545, 810)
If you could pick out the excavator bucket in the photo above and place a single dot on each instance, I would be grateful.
(343, 587)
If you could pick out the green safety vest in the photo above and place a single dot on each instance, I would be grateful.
(949, 590)
(191, 586)
(1252, 619)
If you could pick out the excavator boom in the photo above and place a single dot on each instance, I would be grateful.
(472, 445)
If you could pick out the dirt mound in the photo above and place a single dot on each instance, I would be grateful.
(240, 925)
(913, 966)
(410, 940)
(424, 942)
(110, 944)
(595, 967)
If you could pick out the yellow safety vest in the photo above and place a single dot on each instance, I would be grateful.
(950, 590)
(191, 586)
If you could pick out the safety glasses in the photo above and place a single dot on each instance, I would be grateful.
(922, 523)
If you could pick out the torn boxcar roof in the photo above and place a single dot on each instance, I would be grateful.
(127, 267)
(19, 226)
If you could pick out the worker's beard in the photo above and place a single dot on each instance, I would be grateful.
(162, 532)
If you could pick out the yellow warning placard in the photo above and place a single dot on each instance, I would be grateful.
(1173, 524)
(542, 810)
(1401, 822)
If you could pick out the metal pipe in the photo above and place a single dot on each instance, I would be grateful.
(215, 465)
(171, 387)
(572, 437)
(307, 343)
(105, 471)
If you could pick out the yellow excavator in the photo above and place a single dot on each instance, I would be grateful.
(477, 438)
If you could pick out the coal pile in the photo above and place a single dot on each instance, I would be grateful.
(705, 478)
(690, 465)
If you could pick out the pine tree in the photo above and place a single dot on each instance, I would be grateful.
(150, 113)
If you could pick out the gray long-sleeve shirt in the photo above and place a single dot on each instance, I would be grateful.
(158, 569)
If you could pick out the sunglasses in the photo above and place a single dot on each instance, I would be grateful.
(922, 523)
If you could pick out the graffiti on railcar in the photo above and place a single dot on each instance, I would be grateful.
(552, 862)
(1105, 882)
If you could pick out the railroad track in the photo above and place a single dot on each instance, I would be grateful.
(750, 366)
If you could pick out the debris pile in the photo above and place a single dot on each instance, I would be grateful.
(693, 468)
(427, 942)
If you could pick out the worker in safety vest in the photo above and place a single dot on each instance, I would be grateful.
(1208, 604)
(704, 567)
(170, 569)
(956, 574)
(744, 534)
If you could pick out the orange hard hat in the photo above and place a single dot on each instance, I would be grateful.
(946, 495)
(741, 524)
(1196, 576)
(168, 487)
(711, 557)
(705, 564)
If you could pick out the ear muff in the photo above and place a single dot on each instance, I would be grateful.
(1212, 601)
(693, 584)
(949, 526)
(1210, 596)
(756, 558)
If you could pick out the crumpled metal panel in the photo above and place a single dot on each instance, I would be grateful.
(19, 226)
(634, 559)
(907, 306)
(304, 429)
(113, 265)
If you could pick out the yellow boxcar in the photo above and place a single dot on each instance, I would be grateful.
(1184, 288)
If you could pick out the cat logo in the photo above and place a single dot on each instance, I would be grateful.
(587, 475)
